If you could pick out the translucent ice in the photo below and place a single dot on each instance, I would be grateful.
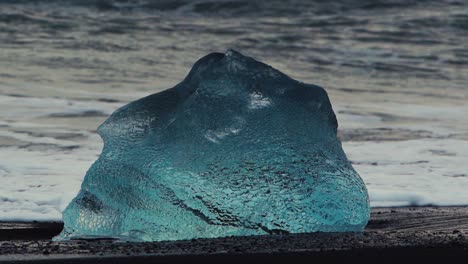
(237, 148)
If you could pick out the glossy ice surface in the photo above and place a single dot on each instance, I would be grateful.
(237, 148)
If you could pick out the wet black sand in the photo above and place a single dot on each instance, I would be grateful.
(393, 234)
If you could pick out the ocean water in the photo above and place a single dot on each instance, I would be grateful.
(396, 73)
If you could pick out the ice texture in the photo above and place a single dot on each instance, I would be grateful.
(237, 148)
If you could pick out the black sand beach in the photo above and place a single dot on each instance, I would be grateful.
(428, 233)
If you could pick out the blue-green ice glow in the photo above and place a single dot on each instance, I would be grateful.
(237, 148)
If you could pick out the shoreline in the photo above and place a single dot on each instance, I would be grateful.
(395, 232)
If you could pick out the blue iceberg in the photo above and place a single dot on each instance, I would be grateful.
(237, 148)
